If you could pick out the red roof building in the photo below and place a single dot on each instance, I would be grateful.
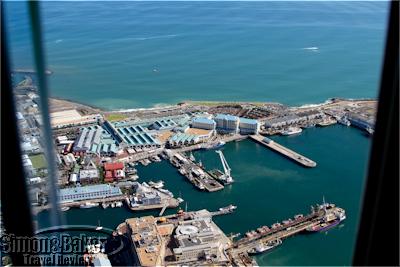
(113, 166)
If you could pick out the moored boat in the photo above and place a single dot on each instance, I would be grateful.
(291, 131)
(88, 205)
(261, 248)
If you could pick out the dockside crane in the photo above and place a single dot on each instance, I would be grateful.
(227, 170)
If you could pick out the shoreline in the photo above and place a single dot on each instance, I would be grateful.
(66, 103)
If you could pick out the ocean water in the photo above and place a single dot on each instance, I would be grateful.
(270, 188)
(118, 55)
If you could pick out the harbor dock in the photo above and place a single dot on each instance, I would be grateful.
(325, 214)
(195, 173)
(302, 160)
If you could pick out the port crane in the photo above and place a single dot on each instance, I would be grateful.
(227, 175)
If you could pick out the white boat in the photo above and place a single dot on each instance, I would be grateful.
(260, 248)
(157, 185)
(65, 208)
(344, 121)
(165, 191)
(112, 205)
(118, 204)
(88, 205)
(180, 200)
(292, 131)
(104, 205)
(370, 130)
(327, 122)
(98, 226)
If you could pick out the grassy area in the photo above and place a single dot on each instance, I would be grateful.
(116, 117)
(38, 161)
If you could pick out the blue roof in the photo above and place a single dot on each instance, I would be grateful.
(226, 117)
(204, 120)
(248, 121)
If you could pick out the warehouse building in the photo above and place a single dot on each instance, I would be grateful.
(80, 193)
(226, 123)
(131, 135)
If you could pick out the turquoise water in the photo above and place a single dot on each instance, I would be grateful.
(270, 188)
(105, 53)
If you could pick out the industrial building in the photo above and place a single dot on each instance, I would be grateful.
(203, 123)
(248, 126)
(80, 193)
(226, 123)
(163, 124)
(131, 135)
(96, 140)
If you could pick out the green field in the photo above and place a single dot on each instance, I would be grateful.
(116, 117)
(38, 161)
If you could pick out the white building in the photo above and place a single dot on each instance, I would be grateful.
(248, 126)
(227, 123)
(203, 123)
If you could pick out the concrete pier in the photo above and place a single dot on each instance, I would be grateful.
(306, 162)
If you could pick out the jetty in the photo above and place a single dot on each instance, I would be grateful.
(302, 160)
(286, 229)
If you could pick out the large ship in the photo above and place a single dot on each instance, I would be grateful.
(261, 248)
(291, 131)
(330, 220)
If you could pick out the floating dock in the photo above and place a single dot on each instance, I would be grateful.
(195, 173)
(265, 141)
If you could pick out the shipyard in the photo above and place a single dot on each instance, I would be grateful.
(98, 153)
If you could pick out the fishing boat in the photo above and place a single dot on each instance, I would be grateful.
(327, 122)
(118, 204)
(104, 205)
(65, 208)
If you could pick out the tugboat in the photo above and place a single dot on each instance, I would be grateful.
(261, 248)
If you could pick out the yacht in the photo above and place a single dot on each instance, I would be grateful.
(291, 131)
(157, 185)
(88, 205)
(261, 248)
